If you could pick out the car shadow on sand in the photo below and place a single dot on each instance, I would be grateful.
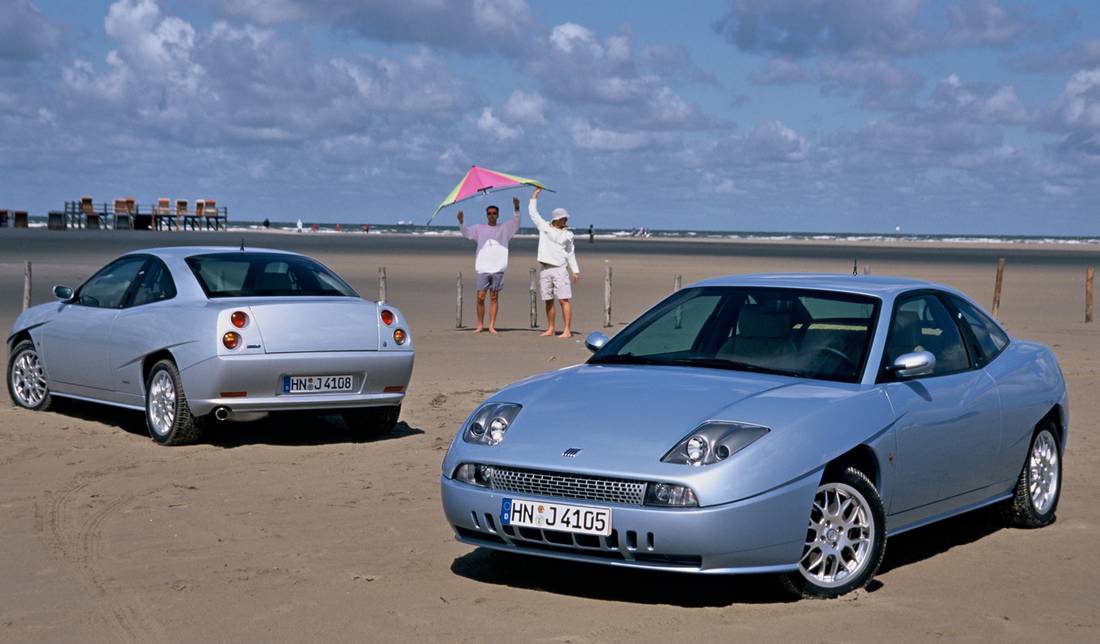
(284, 429)
(595, 581)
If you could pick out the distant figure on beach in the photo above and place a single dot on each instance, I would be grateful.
(591, 234)
(557, 258)
(267, 223)
(491, 259)
(299, 225)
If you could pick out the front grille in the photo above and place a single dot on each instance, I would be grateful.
(568, 486)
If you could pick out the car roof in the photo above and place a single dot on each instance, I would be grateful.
(880, 286)
(188, 251)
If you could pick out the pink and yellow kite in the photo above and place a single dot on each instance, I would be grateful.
(480, 181)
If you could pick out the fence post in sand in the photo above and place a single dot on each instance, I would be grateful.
(997, 286)
(534, 299)
(1089, 274)
(458, 302)
(677, 282)
(607, 297)
(26, 285)
(381, 283)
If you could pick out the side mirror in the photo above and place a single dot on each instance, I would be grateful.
(595, 341)
(917, 363)
(63, 293)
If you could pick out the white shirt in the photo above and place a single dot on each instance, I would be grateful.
(492, 244)
(555, 244)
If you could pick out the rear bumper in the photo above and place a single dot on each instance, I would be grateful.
(260, 378)
(762, 534)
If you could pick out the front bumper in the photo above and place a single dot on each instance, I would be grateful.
(260, 377)
(765, 533)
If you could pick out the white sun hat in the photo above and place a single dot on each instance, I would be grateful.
(559, 213)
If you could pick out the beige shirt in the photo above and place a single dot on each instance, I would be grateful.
(555, 244)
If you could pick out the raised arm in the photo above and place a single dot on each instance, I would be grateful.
(468, 233)
(533, 212)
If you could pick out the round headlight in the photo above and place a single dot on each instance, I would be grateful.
(477, 429)
(497, 427)
(696, 449)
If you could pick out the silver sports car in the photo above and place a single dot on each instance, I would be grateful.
(767, 423)
(187, 334)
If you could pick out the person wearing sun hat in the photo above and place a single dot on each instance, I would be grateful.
(557, 259)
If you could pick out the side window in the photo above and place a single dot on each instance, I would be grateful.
(107, 288)
(922, 323)
(156, 285)
(990, 337)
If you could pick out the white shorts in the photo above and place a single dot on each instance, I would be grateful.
(554, 282)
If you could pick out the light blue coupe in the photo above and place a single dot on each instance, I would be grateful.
(783, 423)
(191, 334)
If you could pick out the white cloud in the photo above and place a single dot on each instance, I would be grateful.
(494, 127)
(526, 108)
(589, 137)
(773, 141)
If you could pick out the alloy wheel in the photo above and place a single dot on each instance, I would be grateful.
(839, 537)
(162, 403)
(1043, 464)
(28, 380)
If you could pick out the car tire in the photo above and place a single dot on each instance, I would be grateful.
(845, 539)
(1035, 498)
(167, 414)
(27, 378)
(372, 421)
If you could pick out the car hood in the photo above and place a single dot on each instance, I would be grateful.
(624, 419)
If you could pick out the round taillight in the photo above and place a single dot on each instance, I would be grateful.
(399, 336)
(388, 317)
(239, 319)
(231, 340)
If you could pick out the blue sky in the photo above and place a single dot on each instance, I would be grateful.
(956, 116)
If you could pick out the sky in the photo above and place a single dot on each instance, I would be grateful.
(952, 116)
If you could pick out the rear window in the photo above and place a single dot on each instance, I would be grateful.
(265, 275)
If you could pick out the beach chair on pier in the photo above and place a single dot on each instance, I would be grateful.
(91, 217)
(200, 212)
(163, 213)
(182, 215)
(3, 218)
(212, 213)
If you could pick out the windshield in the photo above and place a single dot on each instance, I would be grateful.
(793, 332)
(264, 275)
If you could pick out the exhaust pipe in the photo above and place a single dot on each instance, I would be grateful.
(221, 413)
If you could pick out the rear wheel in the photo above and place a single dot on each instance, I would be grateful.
(1039, 487)
(167, 414)
(372, 421)
(27, 378)
(845, 539)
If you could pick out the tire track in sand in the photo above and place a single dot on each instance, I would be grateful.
(78, 542)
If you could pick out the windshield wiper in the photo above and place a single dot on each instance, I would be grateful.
(733, 365)
(626, 358)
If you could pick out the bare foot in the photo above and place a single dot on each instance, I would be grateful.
(566, 334)
(492, 330)
(549, 332)
(478, 330)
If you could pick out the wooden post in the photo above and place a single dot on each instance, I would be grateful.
(26, 286)
(1089, 274)
(997, 285)
(534, 298)
(677, 282)
(607, 297)
(458, 302)
(381, 283)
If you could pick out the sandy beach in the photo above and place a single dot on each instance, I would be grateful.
(287, 530)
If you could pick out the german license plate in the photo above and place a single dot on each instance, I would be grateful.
(316, 384)
(556, 516)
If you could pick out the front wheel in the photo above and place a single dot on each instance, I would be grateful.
(845, 539)
(167, 414)
(1039, 486)
(372, 421)
(27, 378)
